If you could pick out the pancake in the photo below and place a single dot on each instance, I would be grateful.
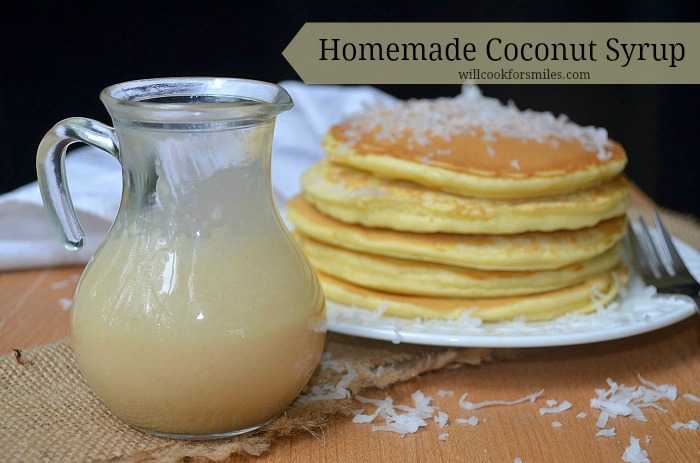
(409, 277)
(475, 146)
(354, 196)
(525, 251)
(582, 298)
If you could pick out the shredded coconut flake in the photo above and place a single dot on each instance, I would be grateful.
(668, 391)
(692, 397)
(471, 421)
(607, 433)
(602, 420)
(518, 460)
(692, 425)
(556, 424)
(330, 391)
(333, 365)
(422, 122)
(582, 415)
(442, 393)
(554, 408)
(515, 164)
(66, 303)
(443, 436)
(604, 155)
(473, 406)
(628, 401)
(60, 284)
(441, 419)
(379, 371)
(400, 419)
(634, 453)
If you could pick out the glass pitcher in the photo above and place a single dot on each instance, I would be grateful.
(198, 316)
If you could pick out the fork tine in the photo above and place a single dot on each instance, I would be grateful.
(648, 258)
(669, 249)
(653, 259)
(639, 254)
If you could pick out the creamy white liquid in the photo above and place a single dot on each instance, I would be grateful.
(206, 326)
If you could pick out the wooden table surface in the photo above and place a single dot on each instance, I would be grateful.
(34, 310)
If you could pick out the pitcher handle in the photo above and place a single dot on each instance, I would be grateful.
(51, 172)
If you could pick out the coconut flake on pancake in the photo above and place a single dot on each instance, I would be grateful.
(486, 148)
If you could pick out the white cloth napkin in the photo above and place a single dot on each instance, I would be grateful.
(94, 177)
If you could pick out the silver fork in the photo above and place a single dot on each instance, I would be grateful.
(658, 262)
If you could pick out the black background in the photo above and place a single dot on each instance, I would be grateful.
(56, 56)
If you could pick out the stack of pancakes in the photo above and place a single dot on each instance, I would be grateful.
(437, 208)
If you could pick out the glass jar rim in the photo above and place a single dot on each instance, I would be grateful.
(133, 100)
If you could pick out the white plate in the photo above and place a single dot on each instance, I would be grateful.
(637, 310)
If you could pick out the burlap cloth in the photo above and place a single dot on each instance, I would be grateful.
(48, 413)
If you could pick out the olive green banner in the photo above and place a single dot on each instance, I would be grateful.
(487, 53)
